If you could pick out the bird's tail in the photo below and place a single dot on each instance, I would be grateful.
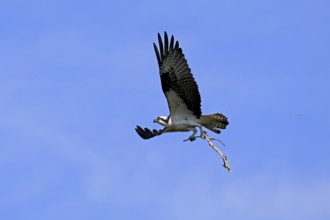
(214, 122)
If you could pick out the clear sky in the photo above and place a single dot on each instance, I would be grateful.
(76, 77)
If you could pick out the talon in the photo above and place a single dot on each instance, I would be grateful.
(191, 138)
(203, 135)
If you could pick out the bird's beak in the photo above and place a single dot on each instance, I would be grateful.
(155, 120)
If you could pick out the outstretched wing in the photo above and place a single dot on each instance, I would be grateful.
(178, 83)
(146, 133)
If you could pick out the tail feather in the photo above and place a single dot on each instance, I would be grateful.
(214, 121)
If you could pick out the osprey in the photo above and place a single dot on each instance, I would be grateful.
(181, 92)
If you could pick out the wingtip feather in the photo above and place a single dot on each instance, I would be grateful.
(146, 133)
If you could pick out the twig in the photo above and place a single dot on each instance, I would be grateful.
(224, 158)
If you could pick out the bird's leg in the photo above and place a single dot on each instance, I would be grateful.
(202, 132)
(192, 137)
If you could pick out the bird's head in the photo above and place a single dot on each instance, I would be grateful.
(162, 120)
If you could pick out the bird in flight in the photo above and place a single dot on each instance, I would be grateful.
(183, 97)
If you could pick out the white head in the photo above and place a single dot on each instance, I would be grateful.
(162, 120)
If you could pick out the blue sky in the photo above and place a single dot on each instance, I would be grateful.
(76, 77)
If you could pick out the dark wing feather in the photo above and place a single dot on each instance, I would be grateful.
(146, 133)
(176, 75)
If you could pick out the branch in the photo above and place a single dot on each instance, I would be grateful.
(224, 158)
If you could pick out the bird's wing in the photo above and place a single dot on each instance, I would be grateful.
(178, 83)
(146, 133)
